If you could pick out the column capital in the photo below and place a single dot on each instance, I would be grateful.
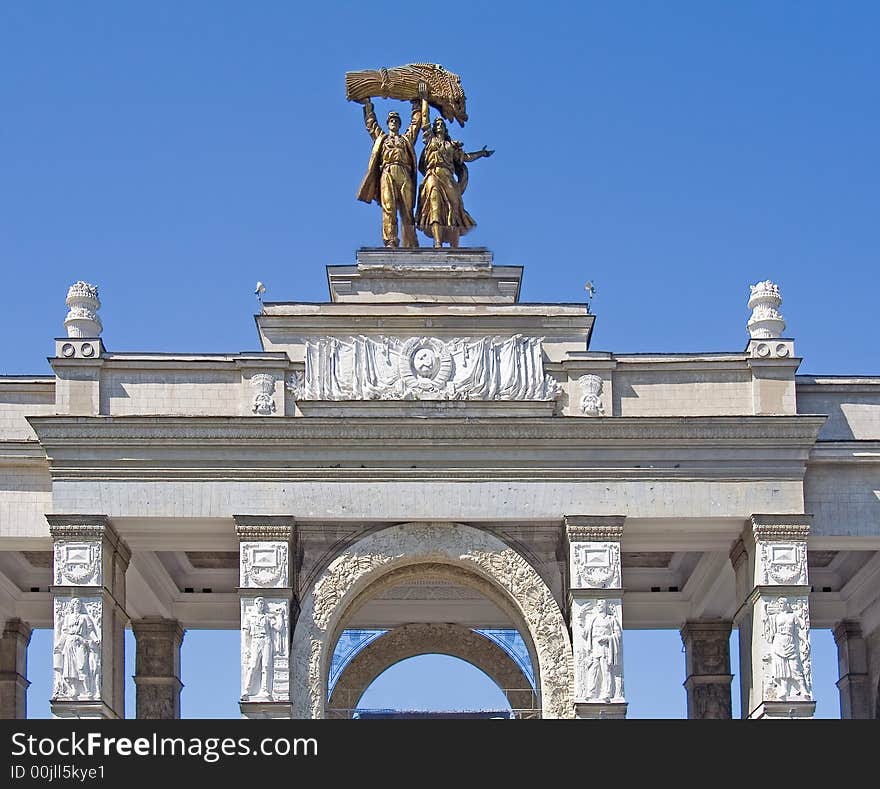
(738, 553)
(18, 628)
(846, 629)
(87, 528)
(257, 528)
(780, 527)
(158, 627)
(706, 629)
(594, 528)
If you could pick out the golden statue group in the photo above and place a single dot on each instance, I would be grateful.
(437, 210)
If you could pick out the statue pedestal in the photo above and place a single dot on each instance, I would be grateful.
(785, 710)
(600, 710)
(424, 274)
(276, 710)
(97, 710)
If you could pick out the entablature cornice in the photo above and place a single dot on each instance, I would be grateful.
(865, 451)
(796, 430)
(375, 450)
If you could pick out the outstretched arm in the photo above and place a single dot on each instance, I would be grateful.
(469, 157)
(373, 127)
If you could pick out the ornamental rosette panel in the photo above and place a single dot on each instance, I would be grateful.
(425, 368)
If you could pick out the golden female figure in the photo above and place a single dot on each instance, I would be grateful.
(440, 212)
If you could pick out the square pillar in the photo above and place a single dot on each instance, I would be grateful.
(707, 667)
(854, 684)
(13, 669)
(88, 598)
(157, 667)
(596, 609)
(268, 613)
(770, 562)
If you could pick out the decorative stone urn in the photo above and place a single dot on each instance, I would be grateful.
(766, 321)
(82, 320)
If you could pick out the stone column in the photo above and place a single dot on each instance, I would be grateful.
(268, 613)
(707, 666)
(770, 562)
(596, 609)
(157, 667)
(88, 594)
(13, 669)
(852, 659)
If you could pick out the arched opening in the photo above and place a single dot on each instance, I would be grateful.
(499, 654)
(428, 574)
(433, 686)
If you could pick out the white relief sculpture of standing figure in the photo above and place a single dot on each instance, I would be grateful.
(264, 639)
(75, 654)
(602, 637)
(783, 632)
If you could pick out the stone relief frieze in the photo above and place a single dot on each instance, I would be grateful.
(595, 565)
(78, 563)
(425, 368)
(598, 650)
(462, 546)
(76, 651)
(264, 564)
(784, 564)
(264, 649)
(787, 667)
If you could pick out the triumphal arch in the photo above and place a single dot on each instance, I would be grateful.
(427, 461)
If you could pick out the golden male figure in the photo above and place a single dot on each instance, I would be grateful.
(391, 174)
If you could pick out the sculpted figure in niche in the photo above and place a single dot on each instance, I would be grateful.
(76, 654)
(264, 639)
(784, 633)
(602, 638)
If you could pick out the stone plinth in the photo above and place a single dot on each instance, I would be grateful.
(466, 274)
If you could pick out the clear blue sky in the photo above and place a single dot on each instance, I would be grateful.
(673, 153)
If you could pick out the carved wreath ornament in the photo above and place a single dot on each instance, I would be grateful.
(596, 565)
(77, 563)
(263, 565)
(425, 364)
(784, 563)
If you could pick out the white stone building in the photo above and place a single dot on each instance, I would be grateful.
(427, 455)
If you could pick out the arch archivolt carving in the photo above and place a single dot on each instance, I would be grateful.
(475, 558)
(410, 640)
